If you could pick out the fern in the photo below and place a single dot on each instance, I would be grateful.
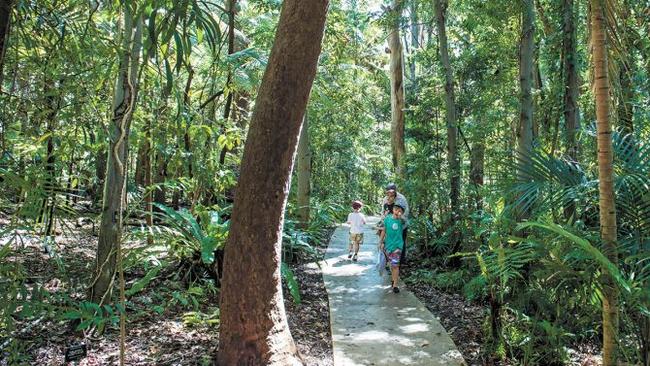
(292, 284)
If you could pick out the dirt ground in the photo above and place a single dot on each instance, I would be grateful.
(463, 321)
(161, 329)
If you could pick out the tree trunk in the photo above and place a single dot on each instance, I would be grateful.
(100, 173)
(304, 174)
(140, 164)
(124, 102)
(397, 92)
(571, 115)
(525, 128)
(251, 280)
(6, 8)
(148, 181)
(606, 201)
(415, 39)
(477, 162)
(187, 145)
(238, 114)
(625, 106)
(452, 126)
(53, 104)
(157, 155)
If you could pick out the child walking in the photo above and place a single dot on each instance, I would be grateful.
(391, 242)
(356, 220)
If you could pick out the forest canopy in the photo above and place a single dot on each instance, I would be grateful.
(517, 130)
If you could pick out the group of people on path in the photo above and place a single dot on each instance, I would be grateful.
(392, 229)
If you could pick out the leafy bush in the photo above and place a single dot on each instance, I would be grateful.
(187, 237)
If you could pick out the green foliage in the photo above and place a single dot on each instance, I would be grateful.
(190, 122)
(188, 237)
(450, 281)
(292, 284)
(91, 316)
(195, 318)
(476, 289)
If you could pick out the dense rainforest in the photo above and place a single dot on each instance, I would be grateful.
(171, 171)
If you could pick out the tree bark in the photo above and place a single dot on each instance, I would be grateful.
(397, 92)
(236, 43)
(140, 164)
(100, 173)
(160, 195)
(187, 145)
(124, 101)
(571, 115)
(525, 128)
(254, 328)
(477, 162)
(415, 39)
(452, 123)
(6, 8)
(304, 174)
(606, 201)
(148, 180)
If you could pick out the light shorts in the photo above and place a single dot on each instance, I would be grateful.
(394, 257)
(356, 238)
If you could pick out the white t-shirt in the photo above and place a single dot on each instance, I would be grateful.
(356, 221)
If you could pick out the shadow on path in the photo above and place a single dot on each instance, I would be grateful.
(370, 324)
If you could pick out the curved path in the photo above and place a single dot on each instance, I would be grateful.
(370, 324)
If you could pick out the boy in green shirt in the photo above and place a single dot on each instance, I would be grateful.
(391, 242)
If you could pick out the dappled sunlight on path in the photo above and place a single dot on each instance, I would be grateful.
(370, 324)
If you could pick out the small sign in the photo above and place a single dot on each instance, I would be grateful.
(75, 352)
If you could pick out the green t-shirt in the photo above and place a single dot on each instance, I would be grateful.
(393, 239)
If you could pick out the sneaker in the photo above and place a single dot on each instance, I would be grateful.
(395, 289)
(354, 259)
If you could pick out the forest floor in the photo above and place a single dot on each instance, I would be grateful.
(310, 321)
(165, 325)
(464, 320)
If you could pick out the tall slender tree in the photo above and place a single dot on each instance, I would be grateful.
(606, 200)
(626, 66)
(303, 170)
(571, 115)
(124, 101)
(525, 128)
(6, 7)
(452, 123)
(254, 329)
(570, 70)
(397, 89)
(476, 171)
(415, 38)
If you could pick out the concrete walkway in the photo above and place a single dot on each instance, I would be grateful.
(370, 324)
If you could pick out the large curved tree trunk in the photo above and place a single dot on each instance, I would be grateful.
(605, 179)
(254, 328)
(397, 92)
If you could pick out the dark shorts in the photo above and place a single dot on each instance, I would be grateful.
(394, 257)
